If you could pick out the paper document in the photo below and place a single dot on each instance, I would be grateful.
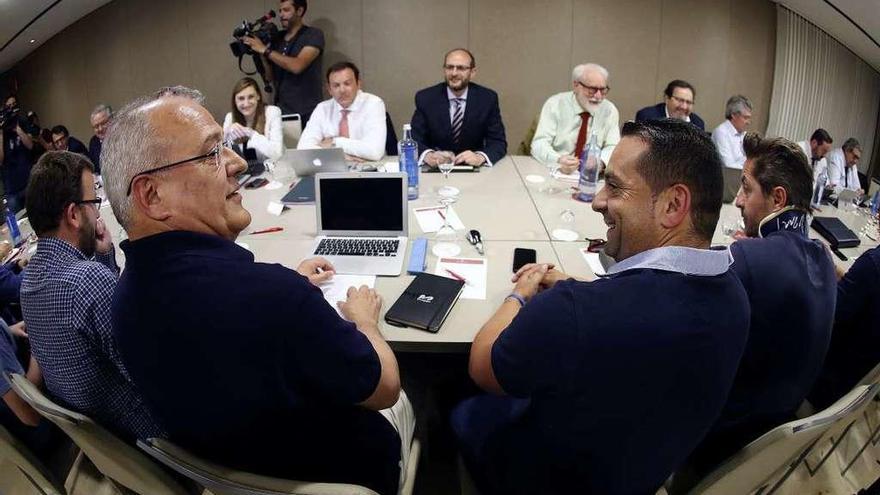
(430, 218)
(472, 270)
(593, 261)
(336, 289)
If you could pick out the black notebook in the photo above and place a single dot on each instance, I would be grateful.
(425, 303)
(835, 232)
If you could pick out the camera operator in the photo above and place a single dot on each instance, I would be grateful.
(16, 155)
(295, 60)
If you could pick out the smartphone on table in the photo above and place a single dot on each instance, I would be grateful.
(522, 257)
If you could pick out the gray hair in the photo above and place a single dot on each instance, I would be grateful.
(102, 108)
(578, 72)
(851, 144)
(192, 94)
(737, 104)
(132, 147)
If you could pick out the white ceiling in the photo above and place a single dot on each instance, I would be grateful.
(15, 14)
(866, 13)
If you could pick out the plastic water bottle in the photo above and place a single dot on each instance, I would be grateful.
(819, 187)
(589, 169)
(875, 203)
(408, 156)
(12, 224)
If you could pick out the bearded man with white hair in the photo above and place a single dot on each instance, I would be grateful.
(569, 118)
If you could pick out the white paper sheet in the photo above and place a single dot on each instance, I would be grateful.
(593, 261)
(430, 218)
(572, 177)
(473, 270)
(336, 289)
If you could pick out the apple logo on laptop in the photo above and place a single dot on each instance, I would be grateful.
(317, 162)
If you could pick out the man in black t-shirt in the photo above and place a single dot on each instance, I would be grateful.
(294, 60)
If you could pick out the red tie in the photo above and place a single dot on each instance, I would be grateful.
(582, 135)
(343, 124)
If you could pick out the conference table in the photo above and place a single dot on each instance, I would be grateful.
(510, 207)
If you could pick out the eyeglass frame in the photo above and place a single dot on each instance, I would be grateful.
(682, 101)
(591, 90)
(97, 202)
(215, 152)
(595, 245)
(459, 68)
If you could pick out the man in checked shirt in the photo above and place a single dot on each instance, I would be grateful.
(66, 295)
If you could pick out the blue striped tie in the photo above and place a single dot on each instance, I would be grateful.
(457, 119)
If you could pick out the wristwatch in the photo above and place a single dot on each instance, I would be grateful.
(516, 297)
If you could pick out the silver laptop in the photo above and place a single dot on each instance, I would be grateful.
(362, 221)
(310, 162)
(732, 183)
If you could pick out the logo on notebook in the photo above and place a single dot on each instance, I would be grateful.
(317, 162)
(425, 299)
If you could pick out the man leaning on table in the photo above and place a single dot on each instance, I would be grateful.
(606, 386)
(257, 371)
(351, 119)
(843, 167)
(569, 118)
(459, 116)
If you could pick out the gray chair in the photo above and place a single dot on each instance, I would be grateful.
(765, 464)
(30, 469)
(128, 468)
(225, 481)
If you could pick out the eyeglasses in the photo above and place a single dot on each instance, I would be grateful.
(591, 90)
(460, 68)
(682, 101)
(96, 202)
(595, 245)
(214, 153)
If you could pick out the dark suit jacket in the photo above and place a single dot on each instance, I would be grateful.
(481, 130)
(658, 112)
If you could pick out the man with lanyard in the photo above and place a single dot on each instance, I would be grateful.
(295, 60)
(594, 396)
(792, 287)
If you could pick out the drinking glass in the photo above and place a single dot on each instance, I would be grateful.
(445, 162)
(551, 188)
(446, 238)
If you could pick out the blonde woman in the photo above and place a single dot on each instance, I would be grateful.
(252, 123)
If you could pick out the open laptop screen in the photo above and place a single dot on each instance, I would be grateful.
(354, 203)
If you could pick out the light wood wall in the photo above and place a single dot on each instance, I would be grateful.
(524, 49)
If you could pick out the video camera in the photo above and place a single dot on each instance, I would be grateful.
(265, 31)
(11, 117)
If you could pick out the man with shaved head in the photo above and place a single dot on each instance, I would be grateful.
(459, 116)
(569, 118)
(244, 363)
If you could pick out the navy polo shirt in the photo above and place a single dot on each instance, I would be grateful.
(855, 341)
(792, 287)
(624, 375)
(246, 364)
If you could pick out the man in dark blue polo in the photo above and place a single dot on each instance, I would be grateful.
(791, 285)
(243, 363)
(606, 386)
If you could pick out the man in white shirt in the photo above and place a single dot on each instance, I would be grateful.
(816, 148)
(568, 119)
(352, 119)
(843, 170)
(728, 136)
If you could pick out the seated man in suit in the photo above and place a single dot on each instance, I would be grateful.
(351, 119)
(792, 287)
(257, 370)
(568, 119)
(459, 116)
(678, 103)
(606, 386)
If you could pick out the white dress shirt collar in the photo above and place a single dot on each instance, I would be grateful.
(354, 107)
(451, 95)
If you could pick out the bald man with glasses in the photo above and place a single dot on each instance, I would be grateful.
(568, 120)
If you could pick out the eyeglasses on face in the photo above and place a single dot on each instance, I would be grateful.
(682, 101)
(96, 202)
(460, 68)
(595, 245)
(215, 153)
(591, 90)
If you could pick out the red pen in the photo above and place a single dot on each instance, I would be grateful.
(457, 276)
(266, 231)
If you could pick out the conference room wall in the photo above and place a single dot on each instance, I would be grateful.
(525, 50)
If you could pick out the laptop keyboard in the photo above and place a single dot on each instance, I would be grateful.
(357, 247)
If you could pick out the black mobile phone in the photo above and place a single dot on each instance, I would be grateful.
(522, 257)
(256, 183)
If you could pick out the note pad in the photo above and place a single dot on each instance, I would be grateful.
(472, 270)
